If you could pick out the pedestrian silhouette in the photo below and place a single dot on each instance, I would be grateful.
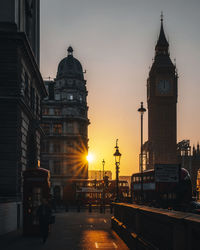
(44, 214)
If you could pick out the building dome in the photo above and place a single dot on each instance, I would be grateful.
(70, 67)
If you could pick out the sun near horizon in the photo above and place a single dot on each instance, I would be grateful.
(90, 157)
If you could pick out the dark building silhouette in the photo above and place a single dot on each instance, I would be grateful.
(65, 123)
(21, 91)
(162, 89)
(189, 158)
(162, 101)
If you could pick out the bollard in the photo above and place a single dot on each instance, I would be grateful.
(78, 208)
(66, 208)
(90, 208)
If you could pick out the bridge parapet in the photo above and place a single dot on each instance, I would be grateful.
(143, 227)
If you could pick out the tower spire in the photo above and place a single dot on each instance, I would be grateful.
(162, 43)
(161, 17)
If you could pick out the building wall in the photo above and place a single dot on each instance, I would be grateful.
(65, 123)
(10, 216)
(23, 15)
(21, 91)
(8, 11)
(20, 106)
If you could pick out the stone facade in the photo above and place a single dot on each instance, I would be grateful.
(21, 91)
(65, 124)
(25, 16)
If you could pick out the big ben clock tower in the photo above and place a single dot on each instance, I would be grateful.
(162, 106)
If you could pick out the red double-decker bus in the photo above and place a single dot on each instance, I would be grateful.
(146, 188)
(93, 191)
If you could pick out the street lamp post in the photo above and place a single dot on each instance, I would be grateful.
(117, 155)
(141, 110)
(103, 163)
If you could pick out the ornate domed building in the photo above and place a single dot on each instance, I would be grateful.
(65, 123)
(70, 67)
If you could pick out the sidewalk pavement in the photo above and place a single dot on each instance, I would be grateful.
(72, 231)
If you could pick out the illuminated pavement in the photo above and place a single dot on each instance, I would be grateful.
(74, 231)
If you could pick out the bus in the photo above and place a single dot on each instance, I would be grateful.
(146, 189)
(94, 191)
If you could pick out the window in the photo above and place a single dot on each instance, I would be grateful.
(51, 111)
(69, 146)
(70, 111)
(57, 129)
(80, 98)
(45, 111)
(57, 96)
(82, 129)
(57, 167)
(63, 94)
(57, 111)
(70, 97)
(70, 127)
(46, 128)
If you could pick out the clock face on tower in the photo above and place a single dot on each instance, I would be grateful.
(164, 87)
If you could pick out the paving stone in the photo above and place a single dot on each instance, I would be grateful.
(72, 231)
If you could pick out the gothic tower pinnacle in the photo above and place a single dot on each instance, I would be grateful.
(162, 108)
(162, 45)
